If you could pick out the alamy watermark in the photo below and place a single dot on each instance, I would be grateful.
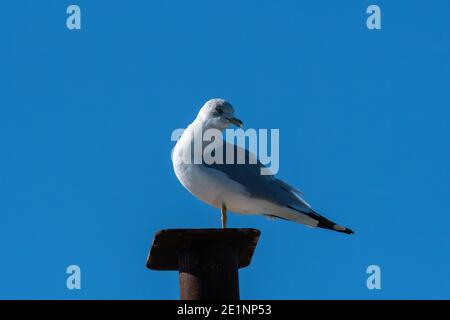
(210, 147)
(374, 279)
(73, 21)
(373, 22)
(73, 281)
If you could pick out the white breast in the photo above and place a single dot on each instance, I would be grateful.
(209, 185)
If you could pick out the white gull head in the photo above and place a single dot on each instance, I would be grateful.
(217, 114)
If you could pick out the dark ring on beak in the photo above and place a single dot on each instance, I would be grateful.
(236, 122)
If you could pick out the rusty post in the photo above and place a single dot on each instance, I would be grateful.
(207, 259)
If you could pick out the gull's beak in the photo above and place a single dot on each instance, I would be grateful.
(236, 122)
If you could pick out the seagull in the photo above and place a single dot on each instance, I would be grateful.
(238, 187)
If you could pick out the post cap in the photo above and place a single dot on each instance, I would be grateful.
(167, 243)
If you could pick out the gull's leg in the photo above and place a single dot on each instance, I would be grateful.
(223, 211)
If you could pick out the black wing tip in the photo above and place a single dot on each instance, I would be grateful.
(324, 222)
(327, 224)
(349, 231)
(339, 228)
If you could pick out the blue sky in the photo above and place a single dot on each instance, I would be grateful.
(86, 118)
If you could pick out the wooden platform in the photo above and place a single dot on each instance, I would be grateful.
(167, 244)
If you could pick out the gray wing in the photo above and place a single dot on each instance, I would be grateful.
(269, 188)
(266, 187)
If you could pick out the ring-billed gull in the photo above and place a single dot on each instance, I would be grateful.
(238, 187)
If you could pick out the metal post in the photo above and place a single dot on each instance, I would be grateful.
(207, 260)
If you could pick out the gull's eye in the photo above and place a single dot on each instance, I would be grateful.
(219, 111)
